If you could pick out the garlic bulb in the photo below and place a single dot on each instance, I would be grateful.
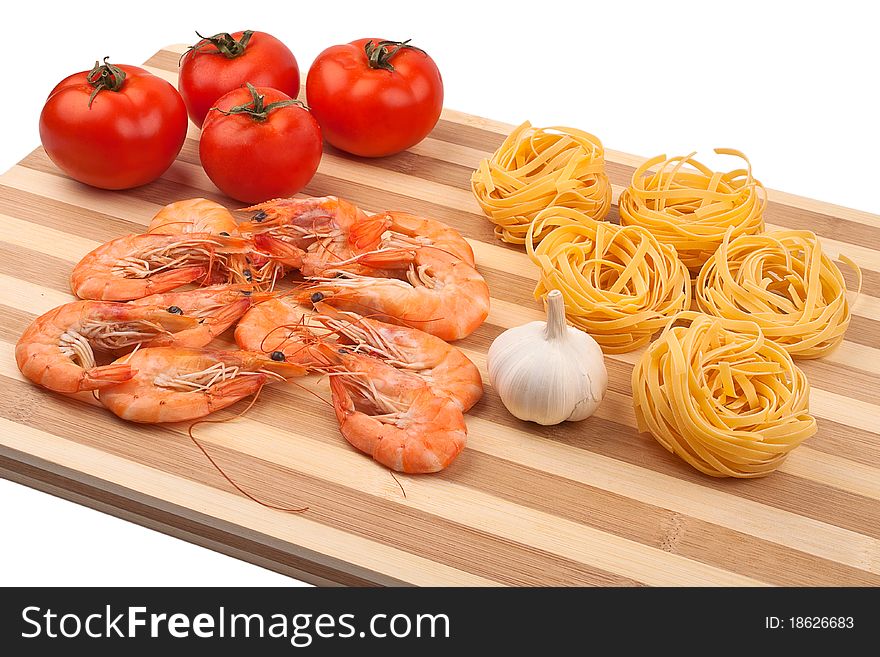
(548, 372)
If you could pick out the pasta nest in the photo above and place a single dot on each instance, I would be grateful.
(723, 397)
(782, 281)
(691, 207)
(620, 284)
(536, 168)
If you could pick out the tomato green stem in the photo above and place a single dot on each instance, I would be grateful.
(379, 54)
(224, 43)
(104, 76)
(256, 108)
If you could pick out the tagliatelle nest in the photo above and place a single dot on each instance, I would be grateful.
(536, 168)
(687, 205)
(722, 396)
(620, 284)
(785, 283)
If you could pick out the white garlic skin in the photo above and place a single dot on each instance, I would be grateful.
(548, 372)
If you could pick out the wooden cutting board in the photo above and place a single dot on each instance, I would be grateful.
(577, 504)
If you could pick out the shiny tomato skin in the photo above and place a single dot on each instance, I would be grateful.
(374, 112)
(254, 161)
(205, 74)
(126, 139)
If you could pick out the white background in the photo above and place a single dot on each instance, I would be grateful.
(794, 85)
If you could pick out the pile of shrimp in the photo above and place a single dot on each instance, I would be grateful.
(373, 300)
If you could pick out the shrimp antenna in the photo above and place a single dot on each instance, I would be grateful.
(226, 476)
(391, 472)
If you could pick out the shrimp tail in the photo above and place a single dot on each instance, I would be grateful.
(343, 404)
(259, 296)
(127, 289)
(389, 259)
(106, 375)
(361, 432)
(280, 251)
(228, 392)
(174, 278)
(228, 315)
(366, 235)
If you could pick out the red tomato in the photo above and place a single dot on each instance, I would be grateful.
(216, 65)
(258, 144)
(113, 127)
(374, 97)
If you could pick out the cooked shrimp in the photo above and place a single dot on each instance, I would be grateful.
(57, 350)
(283, 324)
(175, 384)
(436, 292)
(444, 368)
(392, 415)
(276, 325)
(194, 215)
(315, 233)
(216, 308)
(134, 266)
(199, 215)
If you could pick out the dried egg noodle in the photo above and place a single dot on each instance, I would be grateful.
(722, 396)
(620, 284)
(693, 208)
(538, 167)
(785, 283)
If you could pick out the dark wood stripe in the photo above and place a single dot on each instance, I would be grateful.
(35, 267)
(847, 442)
(418, 166)
(16, 321)
(453, 544)
(841, 379)
(159, 192)
(467, 135)
(863, 331)
(205, 531)
(62, 216)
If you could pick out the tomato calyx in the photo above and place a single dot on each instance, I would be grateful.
(224, 43)
(379, 53)
(256, 108)
(104, 76)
